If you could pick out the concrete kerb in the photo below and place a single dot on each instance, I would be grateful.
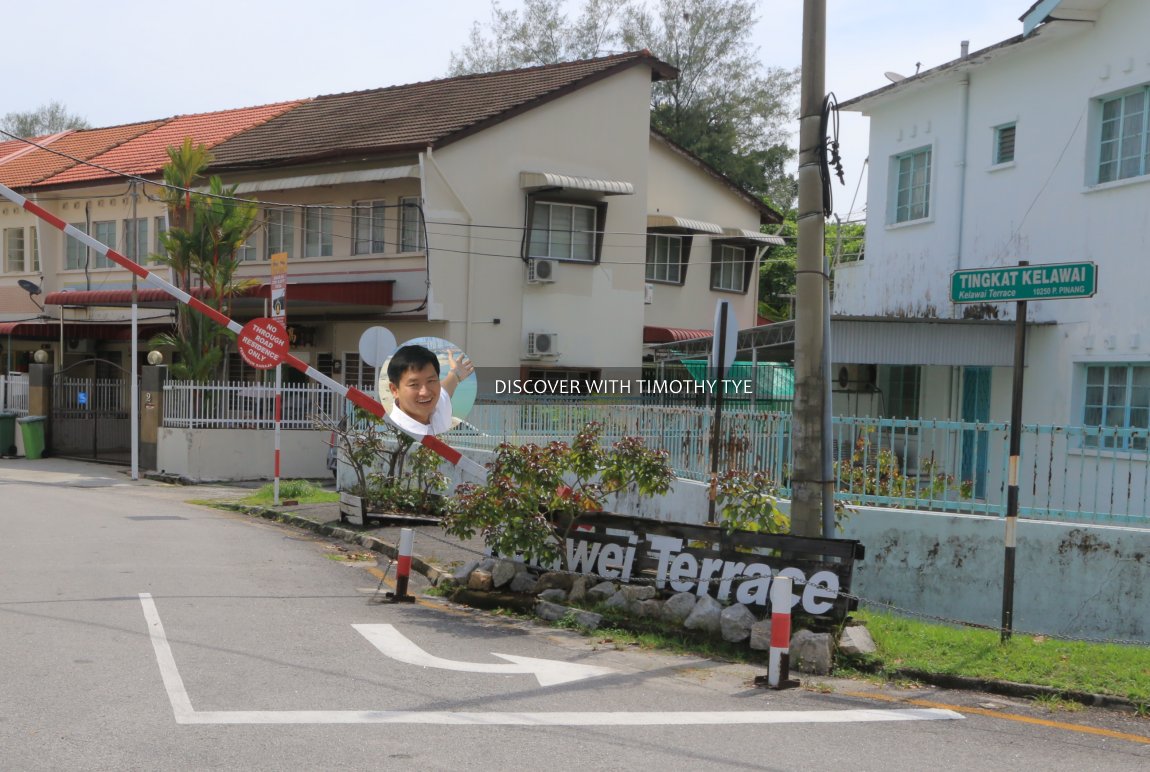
(432, 572)
(435, 574)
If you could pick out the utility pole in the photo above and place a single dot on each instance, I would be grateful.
(807, 483)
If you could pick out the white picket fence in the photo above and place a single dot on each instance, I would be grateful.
(245, 405)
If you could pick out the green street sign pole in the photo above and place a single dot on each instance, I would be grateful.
(1055, 281)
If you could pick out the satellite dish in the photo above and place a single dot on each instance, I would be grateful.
(894, 77)
(31, 287)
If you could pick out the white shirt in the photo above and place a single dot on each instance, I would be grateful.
(440, 419)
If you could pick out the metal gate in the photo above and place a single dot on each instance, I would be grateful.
(91, 415)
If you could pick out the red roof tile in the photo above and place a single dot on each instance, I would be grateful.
(146, 154)
(416, 115)
(30, 167)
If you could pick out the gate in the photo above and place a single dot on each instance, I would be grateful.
(91, 414)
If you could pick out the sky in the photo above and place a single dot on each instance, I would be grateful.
(131, 60)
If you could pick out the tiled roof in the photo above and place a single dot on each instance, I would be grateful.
(31, 167)
(146, 153)
(417, 115)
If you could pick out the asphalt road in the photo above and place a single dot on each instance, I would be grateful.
(138, 631)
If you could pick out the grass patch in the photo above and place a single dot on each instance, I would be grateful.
(1099, 668)
(303, 491)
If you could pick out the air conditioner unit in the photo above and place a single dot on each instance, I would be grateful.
(542, 344)
(541, 270)
(857, 377)
(648, 294)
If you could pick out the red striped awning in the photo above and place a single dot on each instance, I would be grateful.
(654, 334)
(79, 330)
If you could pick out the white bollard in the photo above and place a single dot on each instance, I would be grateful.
(778, 664)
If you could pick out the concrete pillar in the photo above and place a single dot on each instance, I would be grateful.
(152, 379)
(40, 389)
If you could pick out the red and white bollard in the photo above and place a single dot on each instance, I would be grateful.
(779, 662)
(403, 568)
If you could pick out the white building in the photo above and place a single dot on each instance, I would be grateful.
(1035, 149)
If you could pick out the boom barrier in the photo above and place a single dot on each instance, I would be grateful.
(357, 397)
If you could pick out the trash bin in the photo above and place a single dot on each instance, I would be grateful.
(32, 428)
(7, 433)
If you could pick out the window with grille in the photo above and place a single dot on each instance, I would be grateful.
(410, 225)
(912, 191)
(104, 231)
(1122, 150)
(14, 250)
(358, 373)
(729, 267)
(564, 231)
(75, 251)
(665, 257)
(1004, 144)
(318, 225)
(370, 228)
(1117, 399)
(901, 391)
(280, 232)
(136, 238)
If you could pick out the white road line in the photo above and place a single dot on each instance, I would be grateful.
(184, 713)
(548, 672)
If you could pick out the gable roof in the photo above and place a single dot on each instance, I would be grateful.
(31, 164)
(146, 153)
(404, 118)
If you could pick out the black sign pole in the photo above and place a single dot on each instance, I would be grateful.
(1012, 475)
(716, 428)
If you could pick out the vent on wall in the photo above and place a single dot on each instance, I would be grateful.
(541, 270)
(648, 294)
(542, 344)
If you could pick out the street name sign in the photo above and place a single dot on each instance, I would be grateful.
(1054, 281)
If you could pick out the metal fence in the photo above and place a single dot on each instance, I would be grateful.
(14, 393)
(1079, 474)
(245, 405)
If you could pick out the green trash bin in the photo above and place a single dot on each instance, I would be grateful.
(32, 427)
(7, 433)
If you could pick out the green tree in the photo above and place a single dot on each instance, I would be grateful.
(48, 118)
(200, 246)
(843, 244)
(725, 106)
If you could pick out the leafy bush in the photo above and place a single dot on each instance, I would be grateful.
(535, 495)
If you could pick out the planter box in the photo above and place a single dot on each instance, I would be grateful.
(353, 509)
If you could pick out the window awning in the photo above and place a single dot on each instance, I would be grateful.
(670, 221)
(336, 178)
(537, 180)
(656, 334)
(81, 330)
(355, 293)
(743, 233)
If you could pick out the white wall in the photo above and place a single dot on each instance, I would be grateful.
(240, 454)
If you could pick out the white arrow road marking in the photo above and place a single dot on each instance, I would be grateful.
(184, 713)
(548, 671)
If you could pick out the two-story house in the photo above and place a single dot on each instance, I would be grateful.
(1034, 149)
(529, 216)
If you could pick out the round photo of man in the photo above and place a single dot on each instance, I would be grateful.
(428, 386)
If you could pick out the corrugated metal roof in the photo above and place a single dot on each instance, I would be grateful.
(743, 233)
(531, 180)
(683, 223)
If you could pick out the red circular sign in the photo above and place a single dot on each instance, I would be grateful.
(263, 343)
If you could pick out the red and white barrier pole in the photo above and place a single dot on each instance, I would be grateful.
(279, 405)
(357, 397)
(403, 567)
(779, 662)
